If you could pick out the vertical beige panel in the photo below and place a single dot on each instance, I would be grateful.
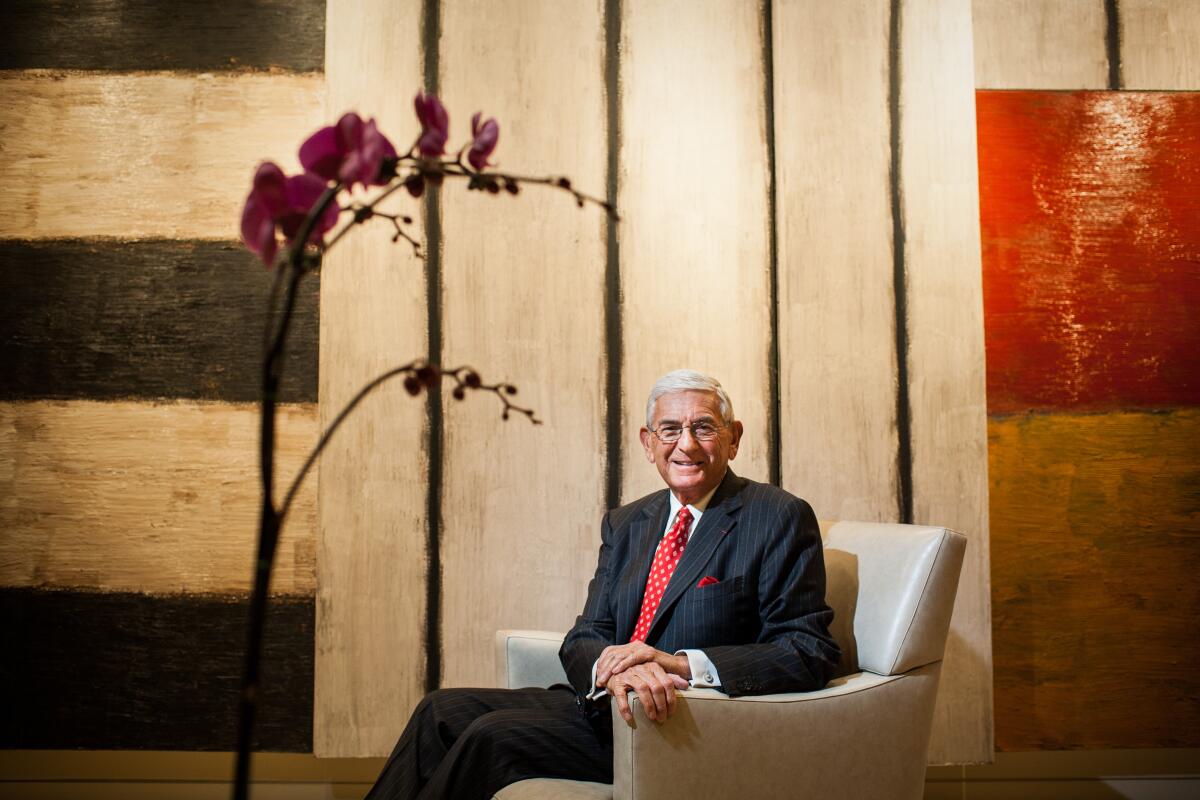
(836, 307)
(693, 192)
(946, 360)
(1040, 44)
(371, 552)
(523, 302)
(1160, 44)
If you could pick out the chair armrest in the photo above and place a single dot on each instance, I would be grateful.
(864, 735)
(528, 658)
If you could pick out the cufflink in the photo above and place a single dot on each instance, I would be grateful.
(707, 677)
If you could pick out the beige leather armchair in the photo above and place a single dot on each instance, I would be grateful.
(865, 735)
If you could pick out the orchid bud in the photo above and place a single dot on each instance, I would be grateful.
(415, 184)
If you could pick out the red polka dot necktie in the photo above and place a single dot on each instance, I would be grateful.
(665, 560)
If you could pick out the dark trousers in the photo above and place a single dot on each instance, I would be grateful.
(470, 743)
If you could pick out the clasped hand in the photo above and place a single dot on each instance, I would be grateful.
(652, 674)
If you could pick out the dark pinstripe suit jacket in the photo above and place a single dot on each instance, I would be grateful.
(765, 625)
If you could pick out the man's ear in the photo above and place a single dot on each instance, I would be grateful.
(647, 443)
(736, 430)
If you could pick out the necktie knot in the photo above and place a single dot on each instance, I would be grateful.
(683, 524)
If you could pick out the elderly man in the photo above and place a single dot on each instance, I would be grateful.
(716, 581)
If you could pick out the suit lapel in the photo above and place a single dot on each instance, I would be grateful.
(644, 535)
(718, 520)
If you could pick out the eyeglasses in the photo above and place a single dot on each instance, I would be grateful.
(703, 431)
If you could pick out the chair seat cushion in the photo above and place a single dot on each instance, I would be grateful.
(555, 789)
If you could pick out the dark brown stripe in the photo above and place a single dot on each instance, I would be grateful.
(1112, 44)
(774, 396)
(140, 672)
(904, 461)
(135, 35)
(431, 37)
(107, 319)
(614, 442)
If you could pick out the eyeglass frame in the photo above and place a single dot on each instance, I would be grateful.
(691, 426)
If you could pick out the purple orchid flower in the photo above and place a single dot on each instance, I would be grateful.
(435, 125)
(351, 152)
(277, 201)
(484, 138)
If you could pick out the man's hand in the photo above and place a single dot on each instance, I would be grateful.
(617, 658)
(654, 686)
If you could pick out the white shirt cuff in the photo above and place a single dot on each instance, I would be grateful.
(596, 693)
(704, 672)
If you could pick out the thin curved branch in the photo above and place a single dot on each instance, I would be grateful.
(457, 169)
(332, 429)
(466, 378)
(421, 375)
(385, 194)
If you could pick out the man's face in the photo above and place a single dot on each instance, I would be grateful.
(691, 467)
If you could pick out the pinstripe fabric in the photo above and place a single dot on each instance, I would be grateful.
(470, 743)
(764, 625)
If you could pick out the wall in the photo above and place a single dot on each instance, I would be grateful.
(130, 326)
(130, 323)
(848, 330)
(799, 219)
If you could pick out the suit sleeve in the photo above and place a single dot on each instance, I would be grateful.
(794, 650)
(595, 627)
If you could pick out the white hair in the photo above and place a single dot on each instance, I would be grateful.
(687, 380)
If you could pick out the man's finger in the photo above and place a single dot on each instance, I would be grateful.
(602, 675)
(648, 703)
(664, 680)
(604, 664)
(633, 682)
(658, 692)
(623, 704)
(669, 689)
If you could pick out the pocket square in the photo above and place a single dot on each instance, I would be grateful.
(707, 580)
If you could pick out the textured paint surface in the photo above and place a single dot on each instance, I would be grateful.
(162, 34)
(524, 297)
(141, 497)
(1160, 44)
(1088, 210)
(143, 155)
(118, 280)
(693, 193)
(1089, 213)
(1095, 553)
(120, 670)
(371, 556)
(1039, 44)
(836, 305)
(944, 319)
(108, 319)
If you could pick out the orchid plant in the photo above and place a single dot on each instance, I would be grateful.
(342, 165)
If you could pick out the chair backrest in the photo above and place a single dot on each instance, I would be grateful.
(892, 591)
